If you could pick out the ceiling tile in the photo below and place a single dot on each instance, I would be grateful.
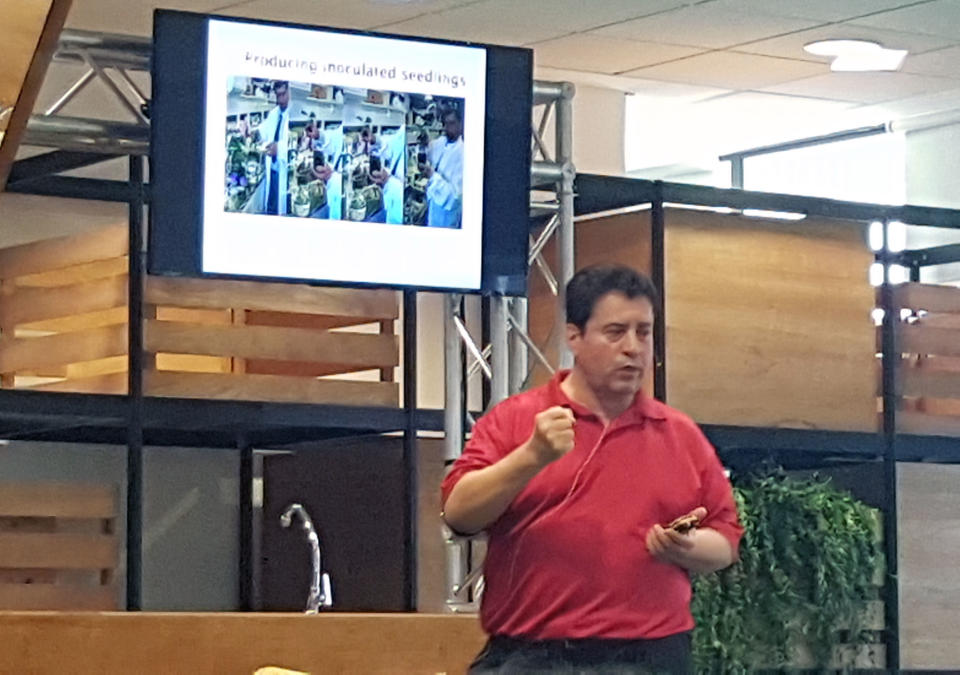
(730, 70)
(942, 62)
(600, 54)
(818, 10)
(791, 46)
(129, 17)
(864, 87)
(511, 22)
(705, 26)
(339, 13)
(941, 17)
(675, 91)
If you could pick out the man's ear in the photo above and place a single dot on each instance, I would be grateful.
(573, 336)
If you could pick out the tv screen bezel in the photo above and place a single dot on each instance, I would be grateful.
(178, 134)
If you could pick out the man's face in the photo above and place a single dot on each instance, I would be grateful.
(283, 97)
(615, 349)
(452, 127)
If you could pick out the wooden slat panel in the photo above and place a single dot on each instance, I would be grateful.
(919, 339)
(36, 304)
(108, 366)
(57, 500)
(768, 324)
(37, 597)
(78, 274)
(112, 383)
(270, 388)
(256, 295)
(58, 551)
(107, 317)
(314, 321)
(929, 297)
(87, 345)
(285, 344)
(51, 254)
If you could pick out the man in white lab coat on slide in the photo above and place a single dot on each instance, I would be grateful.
(275, 133)
(390, 177)
(444, 173)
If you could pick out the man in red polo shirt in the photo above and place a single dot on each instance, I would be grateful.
(576, 483)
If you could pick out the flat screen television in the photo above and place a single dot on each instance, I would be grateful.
(297, 153)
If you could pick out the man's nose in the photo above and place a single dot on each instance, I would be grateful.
(632, 343)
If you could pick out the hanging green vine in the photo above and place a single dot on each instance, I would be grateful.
(807, 563)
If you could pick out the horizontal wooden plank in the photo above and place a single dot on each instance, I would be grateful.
(65, 324)
(100, 269)
(270, 388)
(108, 366)
(50, 350)
(919, 339)
(36, 304)
(111, 383)
(57, 499)
(928, 382)
(314, 321)
(202, 316)
(296, 368)
(913, 422)
(257, 295)
(930, 297)
(51, 254)
(268, 342)
(36, 597)
(194, 363)
(58, 551)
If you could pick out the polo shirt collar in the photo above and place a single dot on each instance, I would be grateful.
(643, 406)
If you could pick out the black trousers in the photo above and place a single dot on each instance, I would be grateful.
(509, 656)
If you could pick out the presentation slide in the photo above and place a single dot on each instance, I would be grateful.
(342, 157)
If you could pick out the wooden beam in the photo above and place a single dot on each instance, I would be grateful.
(62, 252)
(58, 551)
(270, 388)
(57, 500)
(47, 597)
(930, 297)
(112, 383)
(100, 269)
(30, 34)
(51, 350)
(919, 339)
(262, 342)
(257, 295)
(28, 305)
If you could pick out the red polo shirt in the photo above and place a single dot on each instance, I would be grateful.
(568, 558)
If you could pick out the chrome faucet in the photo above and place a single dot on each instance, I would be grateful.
(320, 592)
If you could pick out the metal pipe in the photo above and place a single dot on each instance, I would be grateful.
(411, 464)
(519, 309)
(112, 86)
(132, 86)
(499, 350)
(453, 376)
(541, 241)
(108, 49)
(565, 243)
(71, 92)
(88, 135)
(531, 345)
(472, 346)
(544, 173)
(544, 92)
(320, 593)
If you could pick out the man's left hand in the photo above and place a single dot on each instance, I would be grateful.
(667, 545)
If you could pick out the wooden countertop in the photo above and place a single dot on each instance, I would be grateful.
(235, 643)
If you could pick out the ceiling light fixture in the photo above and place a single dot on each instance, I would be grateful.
(857, 55)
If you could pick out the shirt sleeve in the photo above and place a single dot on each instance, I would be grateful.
(489, 444)
(717, 497)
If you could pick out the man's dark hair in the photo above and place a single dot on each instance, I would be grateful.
(591, 283)
(280, 84)
(452, 110)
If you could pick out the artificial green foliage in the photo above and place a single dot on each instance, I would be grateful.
(808, 559)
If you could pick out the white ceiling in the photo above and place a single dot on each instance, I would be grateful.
(677, 51)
